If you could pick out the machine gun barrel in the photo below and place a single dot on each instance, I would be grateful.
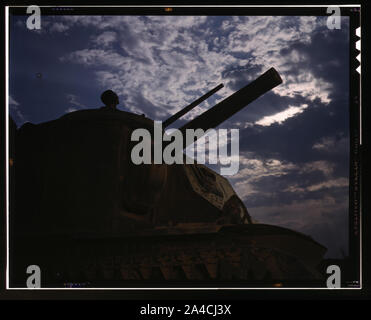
(234, 103)
(188, 108)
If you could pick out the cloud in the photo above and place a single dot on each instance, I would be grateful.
(168, 59)
(73, 100)
(306, 197)
(13, 102)
(68, 110)
(58, 27)
(280, 117)
(340, 182)
(254, 170)
(260, 179)
(16, 112)
(105, 39)
(326, 167)
(332, 144)
(49, 25)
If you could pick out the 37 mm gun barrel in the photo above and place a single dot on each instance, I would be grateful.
(188, 108)
(234, 103)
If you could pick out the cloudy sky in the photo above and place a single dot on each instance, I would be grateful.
(294, 140)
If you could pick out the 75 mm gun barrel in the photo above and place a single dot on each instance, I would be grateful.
(234, 103)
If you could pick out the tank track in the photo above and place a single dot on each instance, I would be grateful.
(185, 258)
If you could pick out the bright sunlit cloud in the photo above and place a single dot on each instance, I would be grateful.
(282, 116)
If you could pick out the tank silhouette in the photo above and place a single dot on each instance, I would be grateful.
(83, 212)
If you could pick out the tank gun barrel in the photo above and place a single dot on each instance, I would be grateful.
(188, 108)
(234, 103)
